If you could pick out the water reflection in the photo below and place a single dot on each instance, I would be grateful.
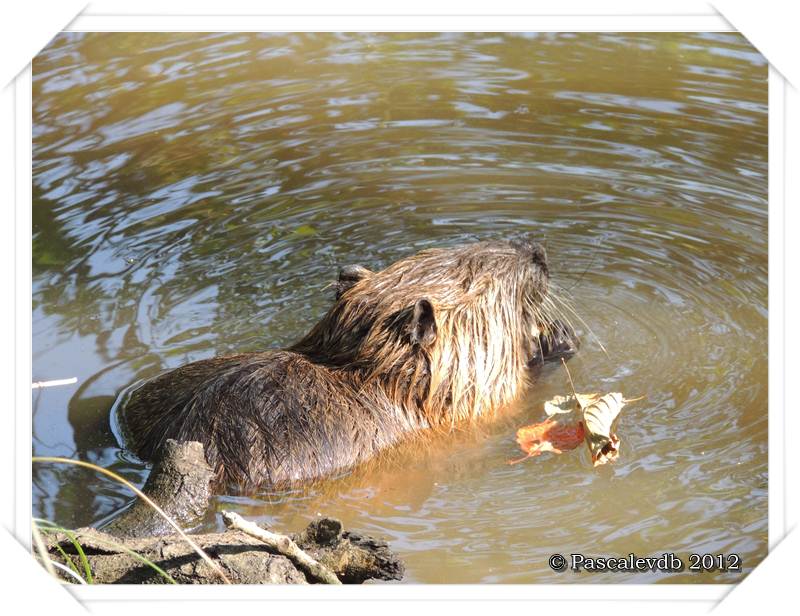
(195, 193)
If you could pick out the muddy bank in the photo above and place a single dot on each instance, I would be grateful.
(352, 557)
(180, 484)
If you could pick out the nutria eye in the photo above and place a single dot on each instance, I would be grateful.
(349, 275)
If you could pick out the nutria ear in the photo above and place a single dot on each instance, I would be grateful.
(348, 276)
(423, 323)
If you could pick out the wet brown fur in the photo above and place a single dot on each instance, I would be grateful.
(437, 338)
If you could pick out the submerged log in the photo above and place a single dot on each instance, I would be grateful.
(353, 558)
(180, 483)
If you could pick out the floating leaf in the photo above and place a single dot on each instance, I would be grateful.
(554, 435)
(569, 404)
(598, 419)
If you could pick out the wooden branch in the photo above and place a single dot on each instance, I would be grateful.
(283, 545)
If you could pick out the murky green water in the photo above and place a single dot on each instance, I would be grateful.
(195, 193)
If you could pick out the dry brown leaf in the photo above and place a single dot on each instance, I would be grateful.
(553, 435)
(569, 404)
(598, 419)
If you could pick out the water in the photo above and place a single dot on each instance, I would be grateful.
(195, 193)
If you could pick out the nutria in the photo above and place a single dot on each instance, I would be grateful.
(440, 337)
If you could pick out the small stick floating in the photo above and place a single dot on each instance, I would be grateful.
(56, 383)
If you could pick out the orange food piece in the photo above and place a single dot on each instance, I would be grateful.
(549, 435)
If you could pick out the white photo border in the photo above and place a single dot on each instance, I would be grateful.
(699, 596)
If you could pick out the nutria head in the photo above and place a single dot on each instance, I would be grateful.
(448, 334)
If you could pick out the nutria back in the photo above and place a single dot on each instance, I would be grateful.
(437, 338)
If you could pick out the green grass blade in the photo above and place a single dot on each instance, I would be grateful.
(87, 569)
(113, 544)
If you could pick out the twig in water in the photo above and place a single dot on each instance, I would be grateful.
(57, 382)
